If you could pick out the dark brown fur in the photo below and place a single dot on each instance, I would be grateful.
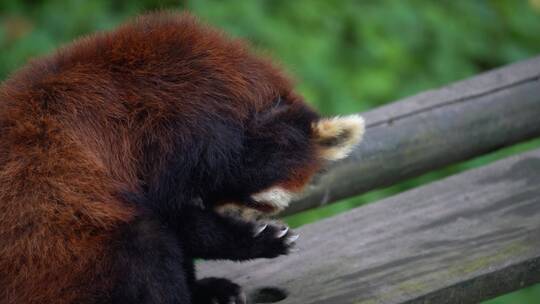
(123, 124)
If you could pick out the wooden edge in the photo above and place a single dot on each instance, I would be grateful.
(464, 239)
(435, 129)
(483, 84)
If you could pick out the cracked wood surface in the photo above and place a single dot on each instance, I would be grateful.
(463, 239)
(434, 129)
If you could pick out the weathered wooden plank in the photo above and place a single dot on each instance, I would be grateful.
(464, 239)
(434, 129)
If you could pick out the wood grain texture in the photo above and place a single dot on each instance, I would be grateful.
(435, 129)
(460, 240)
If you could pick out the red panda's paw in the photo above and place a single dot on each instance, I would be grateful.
(274, 240)
(218, 291)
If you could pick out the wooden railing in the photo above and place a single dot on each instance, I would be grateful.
(463, 239)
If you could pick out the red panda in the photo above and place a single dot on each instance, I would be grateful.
(116, 151)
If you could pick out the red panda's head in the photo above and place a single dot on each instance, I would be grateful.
(284, 146)
(284, 154)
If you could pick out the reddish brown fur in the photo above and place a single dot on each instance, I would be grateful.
(73, 130)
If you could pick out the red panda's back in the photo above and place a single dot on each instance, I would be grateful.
(57, 210)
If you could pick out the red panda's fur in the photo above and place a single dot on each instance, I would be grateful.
(118, 151)
(73, 130)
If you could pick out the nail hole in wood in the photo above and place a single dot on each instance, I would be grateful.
(268, 295)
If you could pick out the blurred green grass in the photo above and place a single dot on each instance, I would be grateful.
(348, 56)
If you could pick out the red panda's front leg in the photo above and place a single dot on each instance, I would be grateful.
(209, 235)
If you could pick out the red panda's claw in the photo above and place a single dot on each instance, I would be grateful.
(260, 229)
(282, 232)
(291, 239)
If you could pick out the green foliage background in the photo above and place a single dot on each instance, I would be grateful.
(348, 56)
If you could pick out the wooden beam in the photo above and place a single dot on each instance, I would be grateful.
(435, 129)
(464, 239)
